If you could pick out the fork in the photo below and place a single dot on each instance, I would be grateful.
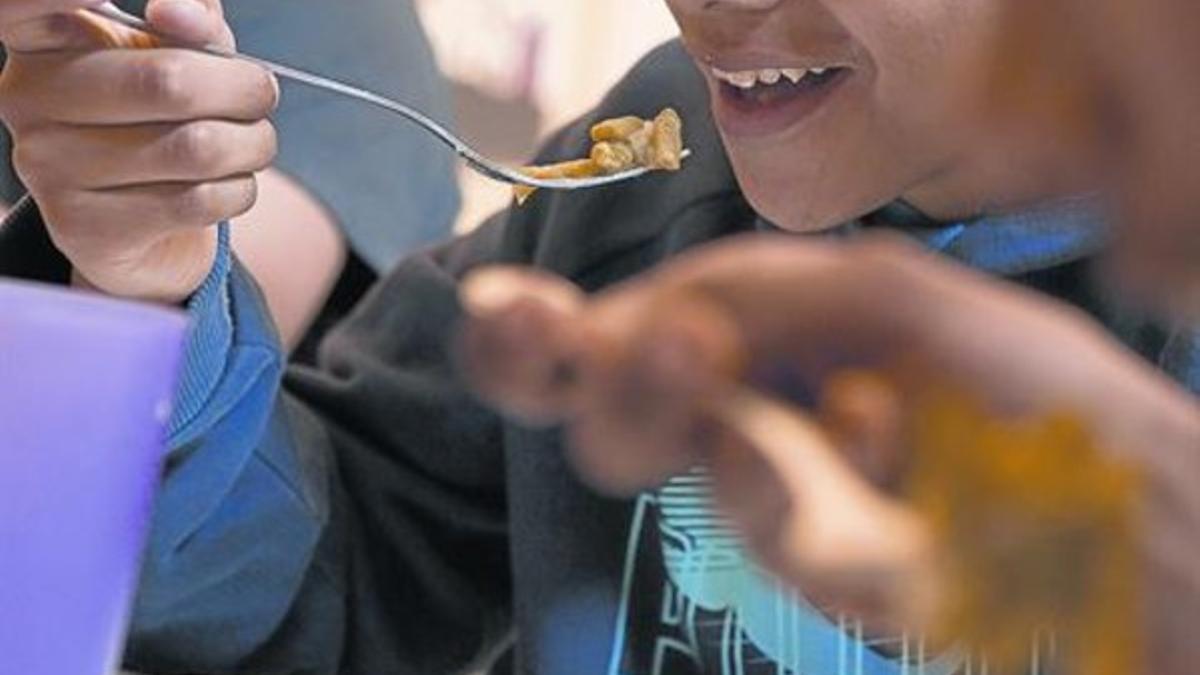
(474, 159)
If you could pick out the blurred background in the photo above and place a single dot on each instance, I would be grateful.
(522, 68)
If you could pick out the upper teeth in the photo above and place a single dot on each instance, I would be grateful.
(746, 79)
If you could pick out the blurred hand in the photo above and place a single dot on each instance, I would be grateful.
(133, 154)
(634, 374)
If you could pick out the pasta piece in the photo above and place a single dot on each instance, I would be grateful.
(620, 144)
(576, 168)
(666, 142)
(613, 157)
(617, 129)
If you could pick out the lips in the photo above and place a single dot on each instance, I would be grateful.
(768, 100)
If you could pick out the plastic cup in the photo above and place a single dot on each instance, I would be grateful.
(85, 391)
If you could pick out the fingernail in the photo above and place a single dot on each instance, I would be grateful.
(278, 93)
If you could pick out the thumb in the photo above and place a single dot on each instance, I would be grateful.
(196, 22)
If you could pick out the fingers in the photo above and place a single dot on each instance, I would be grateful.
(521, 343)
(133, 153)
(864, 416)
(534, 349)
(813, 519)
(115, 157)
(18, 11)
(134, 87)
(642, 413)
(634, 373)
(123, 222)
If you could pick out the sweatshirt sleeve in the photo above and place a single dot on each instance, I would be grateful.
(354, 521)
(240, 511)
(349, 518)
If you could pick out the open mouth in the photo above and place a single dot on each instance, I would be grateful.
(769, 100)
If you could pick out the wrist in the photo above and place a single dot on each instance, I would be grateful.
(167, 272)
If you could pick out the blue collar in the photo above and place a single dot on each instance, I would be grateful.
(1054, 234)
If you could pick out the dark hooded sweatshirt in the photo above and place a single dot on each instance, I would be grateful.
(371, 517)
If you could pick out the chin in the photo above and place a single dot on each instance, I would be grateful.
(794, 202)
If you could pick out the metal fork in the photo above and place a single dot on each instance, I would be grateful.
(473, 158)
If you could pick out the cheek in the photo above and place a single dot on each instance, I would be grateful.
(920, 50)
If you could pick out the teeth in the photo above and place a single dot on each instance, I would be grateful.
(794, 74)
(747, 79)
(744, 79)
(769, 76)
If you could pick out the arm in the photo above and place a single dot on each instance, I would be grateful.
(354, 522)
(258, 558)
(292, 246)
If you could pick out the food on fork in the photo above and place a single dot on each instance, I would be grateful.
(620, 144)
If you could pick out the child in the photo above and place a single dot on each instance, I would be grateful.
(373, 517)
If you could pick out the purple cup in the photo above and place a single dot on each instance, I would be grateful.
(86, 385)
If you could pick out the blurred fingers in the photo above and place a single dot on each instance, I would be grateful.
(520, 345)
(642, 414)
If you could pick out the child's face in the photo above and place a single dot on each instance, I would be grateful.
(839, 142)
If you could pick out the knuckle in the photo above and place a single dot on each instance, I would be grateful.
(194, 146)
(162, 79)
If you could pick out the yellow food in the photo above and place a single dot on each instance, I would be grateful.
(620, 144)
(1037, 526)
